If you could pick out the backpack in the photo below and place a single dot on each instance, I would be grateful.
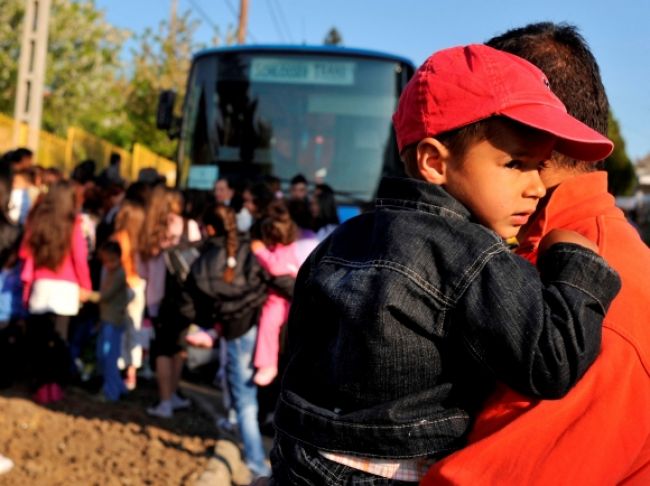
(179, 258)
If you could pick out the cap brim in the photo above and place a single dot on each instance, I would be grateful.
(575, 139)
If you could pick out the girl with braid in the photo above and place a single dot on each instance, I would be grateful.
(226, 289)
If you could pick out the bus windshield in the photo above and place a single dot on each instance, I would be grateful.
(327, 117)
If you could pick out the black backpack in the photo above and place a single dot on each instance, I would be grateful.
(179, 258)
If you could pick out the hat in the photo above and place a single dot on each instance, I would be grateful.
(462, 85)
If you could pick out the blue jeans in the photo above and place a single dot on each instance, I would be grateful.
(239, 373)
(109, 347)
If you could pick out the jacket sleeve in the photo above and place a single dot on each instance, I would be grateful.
(111, 287)
(537, 336)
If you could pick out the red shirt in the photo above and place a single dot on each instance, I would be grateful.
(599, 433)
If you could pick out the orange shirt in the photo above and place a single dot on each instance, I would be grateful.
(599, 433)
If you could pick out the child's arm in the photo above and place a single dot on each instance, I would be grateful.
(271, 261)
(538, 336)
(110, 287)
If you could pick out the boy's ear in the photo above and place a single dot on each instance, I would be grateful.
(432, 160)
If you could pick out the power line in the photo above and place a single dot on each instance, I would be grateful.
(275, 21)
(283, 18)
(205, 16)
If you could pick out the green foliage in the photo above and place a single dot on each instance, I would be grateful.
(333, 38)
(82, 79)
(620, 171)
(11, 22)
(161, 61)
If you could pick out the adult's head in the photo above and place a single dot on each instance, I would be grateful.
(21, 158)
(572, 71)
(323, 207)
(224, 191)
(257, 197)
(298, 187)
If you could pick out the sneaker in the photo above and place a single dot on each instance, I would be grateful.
(42, 395)
(179, 402)
(162, 410)
(5, 464)
(200, 339)
(265, 375)
(56, 393)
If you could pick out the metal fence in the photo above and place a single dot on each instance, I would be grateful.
(65, 153)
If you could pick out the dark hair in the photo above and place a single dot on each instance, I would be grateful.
(262, 196)
(572, 71)
(278, 227)
(223, 221)
(115, 158)
(299, 211)
(112, 248)
(19, 154)
(326, 202)
(457, 141)
(50, 224)
(84, 171)
(298, 179)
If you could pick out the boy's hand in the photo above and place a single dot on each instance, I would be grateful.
(565, 236)
(257, 245)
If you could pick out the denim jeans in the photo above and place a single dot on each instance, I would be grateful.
(239, 373)
(109, 347)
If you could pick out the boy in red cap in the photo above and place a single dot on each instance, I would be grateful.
(405, 317)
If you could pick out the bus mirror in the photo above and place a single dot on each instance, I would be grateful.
(165, 113)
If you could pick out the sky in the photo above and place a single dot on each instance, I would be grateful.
(618, 33)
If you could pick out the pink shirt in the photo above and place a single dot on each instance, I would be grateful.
(73, 268)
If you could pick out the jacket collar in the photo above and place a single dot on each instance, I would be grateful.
(419, 195)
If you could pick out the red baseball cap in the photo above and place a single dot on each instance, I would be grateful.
(463, 85)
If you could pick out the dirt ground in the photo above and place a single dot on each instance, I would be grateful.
(82, 441)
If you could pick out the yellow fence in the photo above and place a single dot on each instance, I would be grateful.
(66, 153)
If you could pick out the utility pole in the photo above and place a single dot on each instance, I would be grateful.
(243, 20)
(172, 20)
(31, 69)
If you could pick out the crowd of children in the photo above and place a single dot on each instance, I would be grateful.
(90, 259)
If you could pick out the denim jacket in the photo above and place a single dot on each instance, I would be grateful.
(404, 317)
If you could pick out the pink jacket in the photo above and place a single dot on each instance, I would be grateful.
(282, 260)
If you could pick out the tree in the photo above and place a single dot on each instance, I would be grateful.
(620, 171)
(84, 72)
(333, 38)
(161, 61)
(11, 22)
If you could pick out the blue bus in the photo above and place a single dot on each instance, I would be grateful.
(324, 112)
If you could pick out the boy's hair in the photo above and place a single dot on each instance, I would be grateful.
(457, 142)
(564, 56)
(111, 248)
